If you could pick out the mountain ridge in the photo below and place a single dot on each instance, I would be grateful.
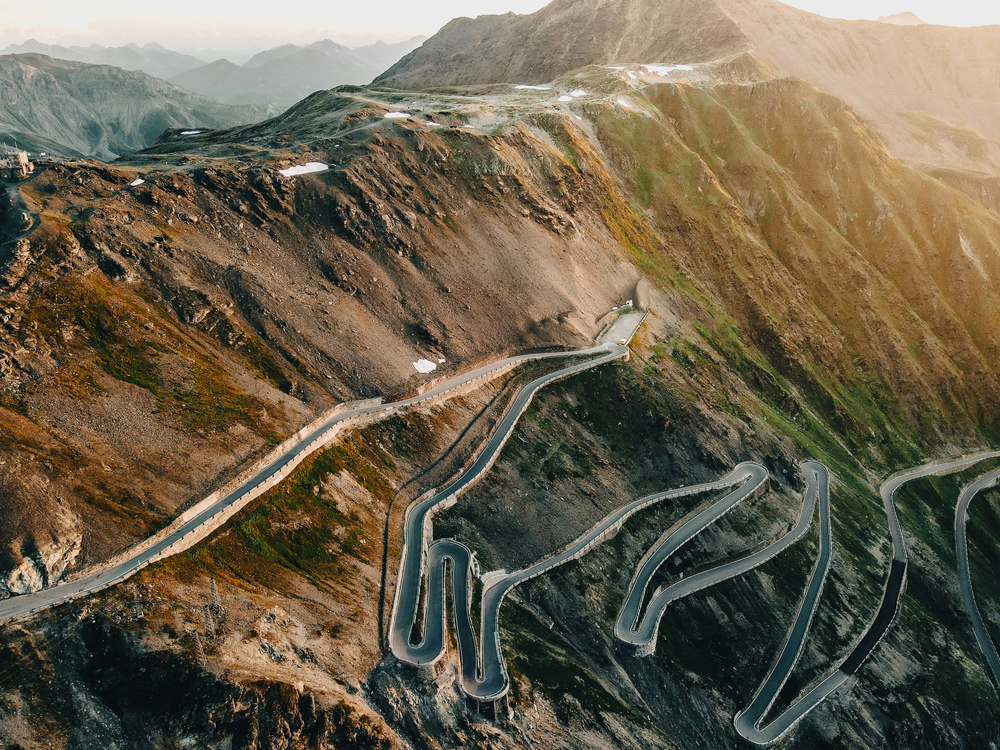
(72, 108)
(882, 70)
(283, 75)
(151, 58)
(808, 293)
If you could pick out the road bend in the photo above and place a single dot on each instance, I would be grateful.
(983, 639)
(747, 721)
(189, 533)
(417, 553)
(483, 674)
(642, 632)
(842, 678)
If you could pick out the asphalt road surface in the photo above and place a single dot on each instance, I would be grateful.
(416, 551)
(986, 645)
(844, 676)
(480, 678)
(25, 604)
(628, 627)
(747, 721)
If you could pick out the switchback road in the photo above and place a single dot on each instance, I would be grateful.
(844, 676)
(481, 678)
(417, 552)
(190, 532)
(986, 645)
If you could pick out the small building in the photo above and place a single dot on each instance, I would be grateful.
(14, 164)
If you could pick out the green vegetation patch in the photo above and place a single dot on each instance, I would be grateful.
(135, 342)
(546, 659)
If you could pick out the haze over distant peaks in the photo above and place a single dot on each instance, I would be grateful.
(151, 58)
(283, 75)
(934, 96)
(903, 19)
(72, 108)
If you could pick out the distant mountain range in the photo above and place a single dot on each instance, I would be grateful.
(288, 73)
(152, 58)
(281, 76)
(72, 108)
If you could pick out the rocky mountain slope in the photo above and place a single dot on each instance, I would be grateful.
(810, 295)
(286, 74)
(930, 91)
(70, 108)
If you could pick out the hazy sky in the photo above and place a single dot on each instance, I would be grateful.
(240, 24)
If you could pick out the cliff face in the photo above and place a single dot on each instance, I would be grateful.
(810, 295)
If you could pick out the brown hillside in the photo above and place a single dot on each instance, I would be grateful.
(810, 295)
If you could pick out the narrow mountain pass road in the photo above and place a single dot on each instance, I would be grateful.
(267, 476)
(642, 633)
(983, 639)
(845, 675)
(483, 676)
(419, 557)
(747, 721)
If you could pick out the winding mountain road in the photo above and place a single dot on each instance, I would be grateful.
(642, 633)
(417, 552)
(192, 531)
(843, 677)
(983, 639)
(747, 721)
(483, 673)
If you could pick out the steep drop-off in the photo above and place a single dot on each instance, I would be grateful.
(810, 296)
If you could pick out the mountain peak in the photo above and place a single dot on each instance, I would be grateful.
(902, 19)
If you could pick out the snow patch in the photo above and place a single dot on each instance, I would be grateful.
(190, 132)
(424, 366)
(625, 104)
(532, 88)
(396, 115)
(663, 70)
(434, 124)
(307, 168)
(574, 94)
(136, 183)
(441, 361)
(632, 75)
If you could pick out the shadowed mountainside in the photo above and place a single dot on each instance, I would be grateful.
(71, 108)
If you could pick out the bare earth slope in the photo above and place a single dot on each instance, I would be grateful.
(565, 35)
(810, 295)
